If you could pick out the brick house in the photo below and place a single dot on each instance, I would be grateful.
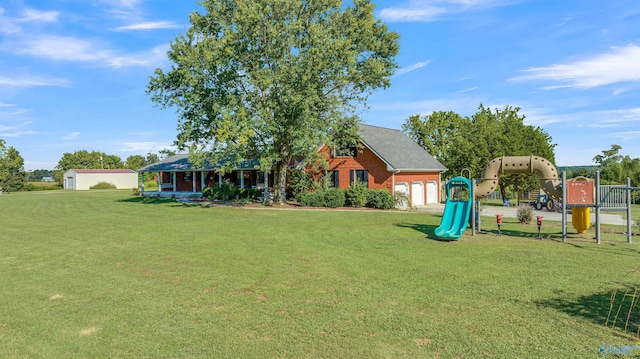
(387, 159)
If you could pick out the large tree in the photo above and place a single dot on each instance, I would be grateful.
(85, 159)
(615, 168)
(12, 174)
(439, 133)
(272, 79)
(470, 143)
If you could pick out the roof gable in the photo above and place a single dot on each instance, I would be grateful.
(397, 150)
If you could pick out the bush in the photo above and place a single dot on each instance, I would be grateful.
(225, 190)
(207, 192)
(380, 199)
(334, 198)
(525, 214)
(311, 199)
(103, 185)
(135, 191)
(247, 193)
(401, 200)
(357, 194)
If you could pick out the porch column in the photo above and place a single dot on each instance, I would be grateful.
(142, 181)
(159, 180)
(201, 180)
(193, 180)
(174, 181)
(266, 183)
(219, 178)
(241, 178)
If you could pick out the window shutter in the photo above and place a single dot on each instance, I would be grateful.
(336, 179)
(352, 174)
(366, 177)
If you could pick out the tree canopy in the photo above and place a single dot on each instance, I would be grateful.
(12, 174)
(273, 79)
(470, 143)
(85, 159)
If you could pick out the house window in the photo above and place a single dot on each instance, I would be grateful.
(333, 176)
(351, 151)
(359, 176)
(187, 177)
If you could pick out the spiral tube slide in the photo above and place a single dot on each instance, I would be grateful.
(545, 170)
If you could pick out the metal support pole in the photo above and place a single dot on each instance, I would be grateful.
(473, 207)
(628, 210)
(598, 205)
(565, 209)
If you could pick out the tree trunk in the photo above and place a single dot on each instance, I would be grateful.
(280, 183)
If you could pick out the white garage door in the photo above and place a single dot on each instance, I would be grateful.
(402, 187)
(417, 193)
(432, 192)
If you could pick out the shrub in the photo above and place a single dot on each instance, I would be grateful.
(311, 199)
(135, 191)
(334, 198)
(247, 193)
(380, 199)
(103, 185)
(357, 194)
(525, 214)
(299, 183)
(401, 200)
(226, 189)
(207, 192)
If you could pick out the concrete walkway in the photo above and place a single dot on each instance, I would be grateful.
(510, 212)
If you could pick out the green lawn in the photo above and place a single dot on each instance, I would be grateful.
(102, 274)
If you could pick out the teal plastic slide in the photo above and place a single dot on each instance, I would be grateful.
(456, 210)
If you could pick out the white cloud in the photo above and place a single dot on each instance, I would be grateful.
(144, 147)
(431, 10)
(412, 13)
(150, 25)
(10, 133)
(37, 15)
(31, 81)
(2, 104)
(62, 48)
(150, 58)
(122, 3)
(628, 135)
(70, 136)
(413, 67)
(618, 66)
(77, 50)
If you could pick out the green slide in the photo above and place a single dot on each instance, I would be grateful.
(457, 209)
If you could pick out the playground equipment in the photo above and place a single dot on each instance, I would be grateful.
(488, 183)
(581, 196)
(457, 209)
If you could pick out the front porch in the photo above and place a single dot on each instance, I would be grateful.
(189, 184)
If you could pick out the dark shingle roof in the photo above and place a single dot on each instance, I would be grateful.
(397, 150)
(180, 163)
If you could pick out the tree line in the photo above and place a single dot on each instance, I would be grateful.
(471, 142)
(13, 176)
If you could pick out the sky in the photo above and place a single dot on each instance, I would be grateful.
(73, 73)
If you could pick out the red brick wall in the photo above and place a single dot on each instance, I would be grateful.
(379, 177)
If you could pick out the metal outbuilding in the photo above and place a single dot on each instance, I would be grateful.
(84, 179)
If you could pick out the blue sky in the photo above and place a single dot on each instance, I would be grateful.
(73, 73)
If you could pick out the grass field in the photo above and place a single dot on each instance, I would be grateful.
(103, 274)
